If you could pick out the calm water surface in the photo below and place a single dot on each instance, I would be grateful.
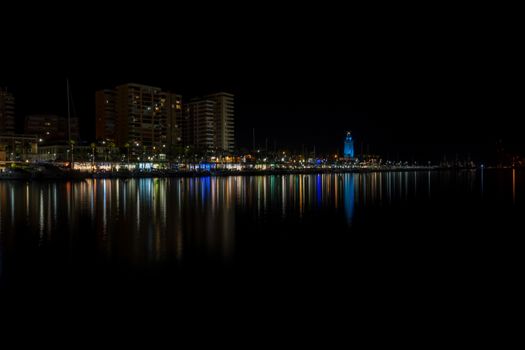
(377, 229)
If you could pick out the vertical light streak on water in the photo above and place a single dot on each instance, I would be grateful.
(118, 183)
(13, 205)
(381, 175)
(428, 178)
(27, 200)
(137, 209)
(178, 224)
(49, 211)
(41, 216)
(283, 195)
(300, 179)
(349, 197)
(398, 191)
(319, 190)
(92, 197)
(265, 189)
(513, 186)
(336, 188)
(68, 203)
(415, 183)
(405, 177)
(125, 198)
(363, 186)
(258, 191)
(214, 196)
(104, 210)
(55, 200)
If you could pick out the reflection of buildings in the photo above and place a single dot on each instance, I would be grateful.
(349, 146)
(7, 112)
(51, 128)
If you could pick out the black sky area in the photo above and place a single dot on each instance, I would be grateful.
(412, 86)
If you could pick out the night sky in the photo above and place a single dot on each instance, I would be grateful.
(411, 88)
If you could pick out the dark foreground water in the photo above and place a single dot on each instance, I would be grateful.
(439, 235)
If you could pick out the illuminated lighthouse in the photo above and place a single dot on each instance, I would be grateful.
(349, 146)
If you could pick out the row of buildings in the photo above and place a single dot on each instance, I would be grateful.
(145, 120)
(42, 132)
(134, 115)
(48, 128)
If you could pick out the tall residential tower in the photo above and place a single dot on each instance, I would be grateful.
(209, 123)
(7, 112)
(140, 115)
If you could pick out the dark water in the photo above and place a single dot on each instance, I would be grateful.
(448, 233)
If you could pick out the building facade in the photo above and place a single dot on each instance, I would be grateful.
(106, 118)
(224, 121)
(15, 147)
(51, 128)
(208, 123)
(173, 108)
(7, 112)
(199, 126)
(139, 116)
(151, 121)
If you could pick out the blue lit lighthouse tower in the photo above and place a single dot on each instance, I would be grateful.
(349, 146)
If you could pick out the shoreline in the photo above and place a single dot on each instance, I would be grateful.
(80, 176)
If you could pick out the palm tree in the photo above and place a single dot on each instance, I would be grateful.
(112, 150)
(93, 145)
(127, 145)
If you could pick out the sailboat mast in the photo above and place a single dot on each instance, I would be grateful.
(68, 114)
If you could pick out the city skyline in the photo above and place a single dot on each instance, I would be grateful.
(419, 91)
(285, 130)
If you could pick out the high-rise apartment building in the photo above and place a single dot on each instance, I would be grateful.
(173, 107)
(199, 126)
(147, 117)
(7, 112)
(224, 121)
(106, 123)
(139, 115)
(208, 123)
